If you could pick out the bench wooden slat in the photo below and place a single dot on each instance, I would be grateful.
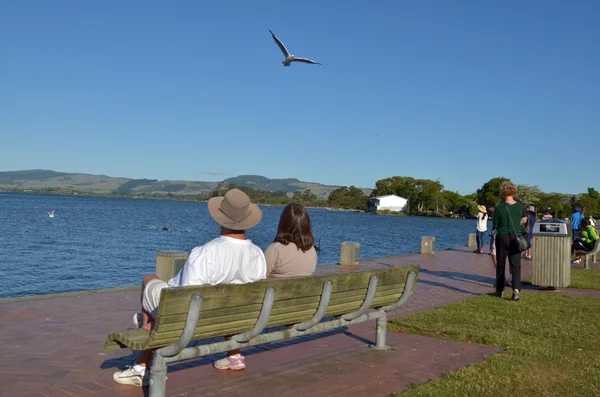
(282, 314)
(287, 306)
(231, 309)
(234, 295)
(166, 338)
(137, 337)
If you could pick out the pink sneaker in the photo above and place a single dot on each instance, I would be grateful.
(229, 362)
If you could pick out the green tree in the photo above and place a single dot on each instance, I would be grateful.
(529, 195)
(489, 193)
(454, 203)
(559, 204)
(422, 194)
(427, 195)
(351, 198)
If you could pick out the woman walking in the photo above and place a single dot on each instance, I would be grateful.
(482, 219)
(509, 215)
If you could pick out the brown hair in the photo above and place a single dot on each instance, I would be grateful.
(295, 227)
(507, 188)
(585, 222)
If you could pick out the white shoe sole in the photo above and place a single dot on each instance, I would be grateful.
(132, 380)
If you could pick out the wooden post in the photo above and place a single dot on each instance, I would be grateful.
(349, 253)
(168, 264)
(472, 240)
(427, 245)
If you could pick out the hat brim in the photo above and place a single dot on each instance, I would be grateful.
(255, 216)
(482, 208)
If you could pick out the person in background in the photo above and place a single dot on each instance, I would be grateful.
(509, 215)
(481, 225)
(592, 221)
(547, 215)
(586, 239)
(531, 219)
(576, 218)
(292, 253)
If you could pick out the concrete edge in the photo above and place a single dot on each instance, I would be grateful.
(66, 294)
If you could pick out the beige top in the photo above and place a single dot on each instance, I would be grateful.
(289, 261)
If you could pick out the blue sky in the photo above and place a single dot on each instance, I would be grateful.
(463, 91)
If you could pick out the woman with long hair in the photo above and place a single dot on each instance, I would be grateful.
(509, 215)
(292, 253)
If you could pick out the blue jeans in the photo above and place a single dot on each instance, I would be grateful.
(479, 235)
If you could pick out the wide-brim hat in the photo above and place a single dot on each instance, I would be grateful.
(482, 208)
(234, 210)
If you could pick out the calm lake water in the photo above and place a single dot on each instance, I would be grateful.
(95, 242)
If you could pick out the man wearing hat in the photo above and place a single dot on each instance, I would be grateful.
(576, 218)
(482, 219)
(547, 215)
(228, 259)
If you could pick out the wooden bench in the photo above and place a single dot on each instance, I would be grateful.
(193, 313)
(588, 254)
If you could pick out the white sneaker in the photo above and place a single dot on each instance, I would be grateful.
(137, 320)
(131, 377)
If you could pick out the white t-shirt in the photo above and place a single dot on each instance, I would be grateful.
(482, 222)
(224, 260)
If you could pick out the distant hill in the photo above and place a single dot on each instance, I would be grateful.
(40, 179)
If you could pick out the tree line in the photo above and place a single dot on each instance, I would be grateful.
(343, 197)
(425, 197)
(428, 197)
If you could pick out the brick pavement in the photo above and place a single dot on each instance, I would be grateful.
(52, 346)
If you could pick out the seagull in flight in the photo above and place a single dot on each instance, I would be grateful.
(51, 214)
(289, 58)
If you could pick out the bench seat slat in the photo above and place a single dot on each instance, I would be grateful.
(135, 339)
(290, 307)
(231, 309)
(233, 327)
(230, 295)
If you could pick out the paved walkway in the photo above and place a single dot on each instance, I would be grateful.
(53, 346)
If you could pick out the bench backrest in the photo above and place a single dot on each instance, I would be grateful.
(234, 308)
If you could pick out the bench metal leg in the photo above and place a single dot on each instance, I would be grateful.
(587, 262)
(381, 334)
(158, 377)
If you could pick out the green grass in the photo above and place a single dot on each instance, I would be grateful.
(585, 279)
(552, 346)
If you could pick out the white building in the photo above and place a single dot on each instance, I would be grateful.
(388, 202)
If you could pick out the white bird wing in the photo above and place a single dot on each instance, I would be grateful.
(306, 60)
(280, 44)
